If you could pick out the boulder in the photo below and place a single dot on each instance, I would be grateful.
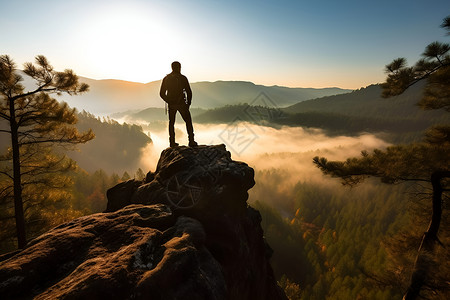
(185, 232)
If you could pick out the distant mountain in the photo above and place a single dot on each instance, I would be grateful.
(221, 93)
(363, 110)
(111, 96)
(367, 102)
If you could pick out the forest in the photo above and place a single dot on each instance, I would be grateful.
(397, 120)
(84, 186)
(328, 241)
(342, 228)
(116, 147)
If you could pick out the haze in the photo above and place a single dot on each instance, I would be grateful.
(269, 147)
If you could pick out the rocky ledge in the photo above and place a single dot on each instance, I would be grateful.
(185, 232)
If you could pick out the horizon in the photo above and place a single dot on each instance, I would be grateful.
(298, 125)
(292, 44)
(220, 80)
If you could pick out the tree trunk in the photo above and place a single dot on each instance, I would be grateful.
(424, 258)
(18, 203)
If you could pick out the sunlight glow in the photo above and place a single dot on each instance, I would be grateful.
(269, 141)
(128, 42)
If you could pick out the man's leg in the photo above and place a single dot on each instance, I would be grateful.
(172, 114)
(186, 115)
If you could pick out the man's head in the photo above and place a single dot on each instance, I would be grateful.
(176, 66)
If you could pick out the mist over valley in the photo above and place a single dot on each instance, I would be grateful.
(320, 231)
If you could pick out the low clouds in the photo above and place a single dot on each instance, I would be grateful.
(290, 148)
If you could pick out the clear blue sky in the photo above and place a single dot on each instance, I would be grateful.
(291, 43)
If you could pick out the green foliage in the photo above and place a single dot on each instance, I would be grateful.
(362, 110)
(140, 175)
(446, 24)
(368, 102)
(89, 190)
(125, 176)
(437, 91)
(35, 124)
(224, 114)
(329, 240)
(117, 147)
(70, 195)
(434, 68)
(414, 162)
(46, 194)
(426, 162)
(37, 117)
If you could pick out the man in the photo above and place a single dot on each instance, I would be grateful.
(175, 90)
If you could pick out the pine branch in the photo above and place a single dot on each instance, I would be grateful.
(5, 116)
(7, 174)
(39, 89)
(427, 74)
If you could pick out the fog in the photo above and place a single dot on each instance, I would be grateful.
(281, 157)
(263, 148)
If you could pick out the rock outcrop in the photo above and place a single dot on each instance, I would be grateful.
(185, 232)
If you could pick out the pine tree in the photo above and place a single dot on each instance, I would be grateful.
(140, 175)
(36, 123)
(427, 162)
(125, 176)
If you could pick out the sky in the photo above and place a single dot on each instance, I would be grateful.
(302, 43)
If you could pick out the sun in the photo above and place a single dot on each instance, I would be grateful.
(128, 42)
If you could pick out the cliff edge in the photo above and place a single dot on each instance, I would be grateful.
(185, 232)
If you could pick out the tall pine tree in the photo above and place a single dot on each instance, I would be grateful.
(36, 123)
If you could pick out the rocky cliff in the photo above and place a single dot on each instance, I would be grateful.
(185, 232)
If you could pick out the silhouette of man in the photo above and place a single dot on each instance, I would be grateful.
(177, 93)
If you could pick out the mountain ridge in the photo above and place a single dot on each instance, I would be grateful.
(108, 96)
(363, 110)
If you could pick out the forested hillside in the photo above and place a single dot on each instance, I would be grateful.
(115, 148)
(221, 93)
(364, 110)
(84, 195)
(327, 240)
(368, 102)
(112, 156)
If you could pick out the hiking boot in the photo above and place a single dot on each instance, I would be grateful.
(193, 144)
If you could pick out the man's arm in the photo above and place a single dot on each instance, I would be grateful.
(162, 91)
(188, 90)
